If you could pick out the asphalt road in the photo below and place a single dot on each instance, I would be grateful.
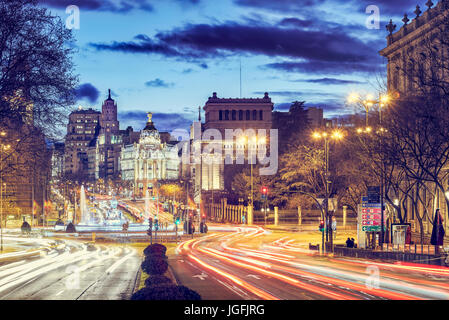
(250, 263)
(70, 270)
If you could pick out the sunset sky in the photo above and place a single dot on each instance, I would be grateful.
(168, 56)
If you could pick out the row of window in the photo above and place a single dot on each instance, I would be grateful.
(241, 115)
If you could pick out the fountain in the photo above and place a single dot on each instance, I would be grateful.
(83, 209)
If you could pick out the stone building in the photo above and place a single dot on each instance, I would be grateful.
(109, 142)
(149, 160)
(83, 127)
(408, 43)
(405, 51)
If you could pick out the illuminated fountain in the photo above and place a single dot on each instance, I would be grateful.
(85, 214)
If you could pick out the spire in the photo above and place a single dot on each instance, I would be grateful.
(391, 27)
(109, 96)
(150, 125)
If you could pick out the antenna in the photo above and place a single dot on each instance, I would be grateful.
(240, 77)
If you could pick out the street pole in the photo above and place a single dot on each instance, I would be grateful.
(326, 203)
(1, 198)
(382, 235)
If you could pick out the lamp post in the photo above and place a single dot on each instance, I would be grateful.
(335, 135)
(256, 141)
(2, 148)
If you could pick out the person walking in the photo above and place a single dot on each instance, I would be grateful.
(438, 232)
(348, 243)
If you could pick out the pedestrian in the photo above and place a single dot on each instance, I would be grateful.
(353, 243)
(438, 232)
(348, 243)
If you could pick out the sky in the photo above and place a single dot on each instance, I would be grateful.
(169, 56)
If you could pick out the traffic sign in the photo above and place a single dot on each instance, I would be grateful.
(371, 210)
(371, 205)
(371, 228)
(371, 216)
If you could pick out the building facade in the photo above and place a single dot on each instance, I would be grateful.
(83, 127)
(406, 51)
(149, 160)
(109, 142)
(406, 46)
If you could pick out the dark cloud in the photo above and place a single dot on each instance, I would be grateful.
(318, 51)
(280, 5)
(158, 83)
(295, 22)
(87, 91)
(326, 67)
(101, 5)
(329, 81)
(288, 6)
(162, 121)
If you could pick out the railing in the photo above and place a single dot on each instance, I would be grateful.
(411, 248)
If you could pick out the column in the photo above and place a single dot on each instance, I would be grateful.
(345, 212)
(276, 216)
(299, 215)
(250, 215)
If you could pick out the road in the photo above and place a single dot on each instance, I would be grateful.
(251, 263)
(68, 270)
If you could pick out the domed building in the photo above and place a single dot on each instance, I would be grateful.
(149, 160)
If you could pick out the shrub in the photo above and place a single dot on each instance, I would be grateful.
(154, 265)
(157, 280)
(155, 249)
(167, 292)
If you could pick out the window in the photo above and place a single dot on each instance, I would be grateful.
(260, 115)
(247, 115)
(220, 116)
(254, 115)
(227, 115)
(240, 115)
(234, 115)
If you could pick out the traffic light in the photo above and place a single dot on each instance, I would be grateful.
(177, 221)
(264, 191)
(321, 225)
(156, 224)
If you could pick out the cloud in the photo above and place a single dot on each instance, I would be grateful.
(289, 6)
(313, 51)
(282, 106)
(120, 6)
(329, 81)
(158, 83)
(87, 91)
(163, 121)
(326, 67)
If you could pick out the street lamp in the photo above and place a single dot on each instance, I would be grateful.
(368, 102)
(336, 135)
(2, 148)
(255, 142)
